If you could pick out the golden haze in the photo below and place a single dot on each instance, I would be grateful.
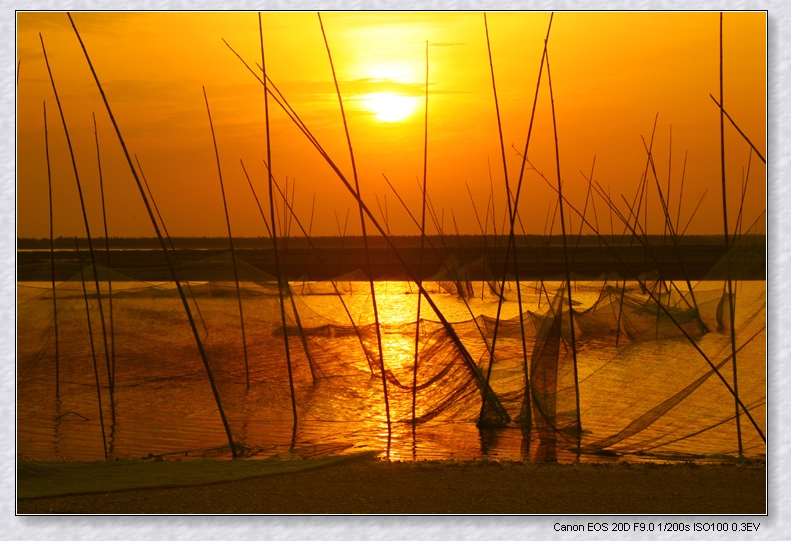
(612, 73)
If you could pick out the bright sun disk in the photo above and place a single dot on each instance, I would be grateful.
(389, 106)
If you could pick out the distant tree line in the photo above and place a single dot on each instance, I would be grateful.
(329, 242)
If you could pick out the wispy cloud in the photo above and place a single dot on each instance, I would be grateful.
(445, 43)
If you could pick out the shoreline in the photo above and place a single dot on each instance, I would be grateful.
(366, 485)
(693, 262)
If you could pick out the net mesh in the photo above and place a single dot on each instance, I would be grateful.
(653, 360)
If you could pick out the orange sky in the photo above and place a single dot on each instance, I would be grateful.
(611, 74)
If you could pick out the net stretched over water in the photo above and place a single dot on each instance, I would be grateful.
(650, 371)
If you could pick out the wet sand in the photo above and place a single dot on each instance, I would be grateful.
(371, 486)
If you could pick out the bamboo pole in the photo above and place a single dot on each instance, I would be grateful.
(422, 246)
(313, 367)
(342, 235)
(733, 123)
(694, 212)
(172, 269)
(364, 233)
(93, 349)
(536, 264)
(280, 278)
(170, 242)
(681, 191)
(731, 303)
(565, 256)
(463, 283)
(584, 213)
(638, 202)
(673, 236)
(483, 230)
(438, 222)
(512, 211)
(87, 231)
(111, 375)
(107, 252)
(745, 180)
(290, 207)
(52, 258)
(230, 239)
(669, 174)
(438, 254)
(612, 227)
(635, 230)
(512, 224)
(312, 212)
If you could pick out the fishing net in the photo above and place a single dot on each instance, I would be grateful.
(650, 371)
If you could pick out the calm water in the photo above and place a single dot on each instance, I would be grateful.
(164, 404)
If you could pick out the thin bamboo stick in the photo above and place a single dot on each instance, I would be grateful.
(383, 213)
(681, 191)
(584, 213)
(434, 219)
(292, 215)
(313, 368)
(342, 234)
(87, 231)
(731, 304)
(364, 233)
(312, 212)
(636, 230)
(463, 283)
(52, 258)
(230, 239)
(512, 224)
(612, 227)
(673, 236)
(93, 349)
(733, 123)
(536, 263)
(512, 211)
(107, 252)
(637, 201)
(565, 256)
(745, 180)
(483, 233)
(280, 277)
(462, 290)
(170, 242)
(694, 212)
(669, 174)
(162, 244)
(422, 246)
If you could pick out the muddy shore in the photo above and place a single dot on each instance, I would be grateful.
(371, 486)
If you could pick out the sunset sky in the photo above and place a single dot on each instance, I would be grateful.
(612, 73)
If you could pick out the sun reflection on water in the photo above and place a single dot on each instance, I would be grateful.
(163, 403)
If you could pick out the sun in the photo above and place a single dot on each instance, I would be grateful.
(389, 106)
